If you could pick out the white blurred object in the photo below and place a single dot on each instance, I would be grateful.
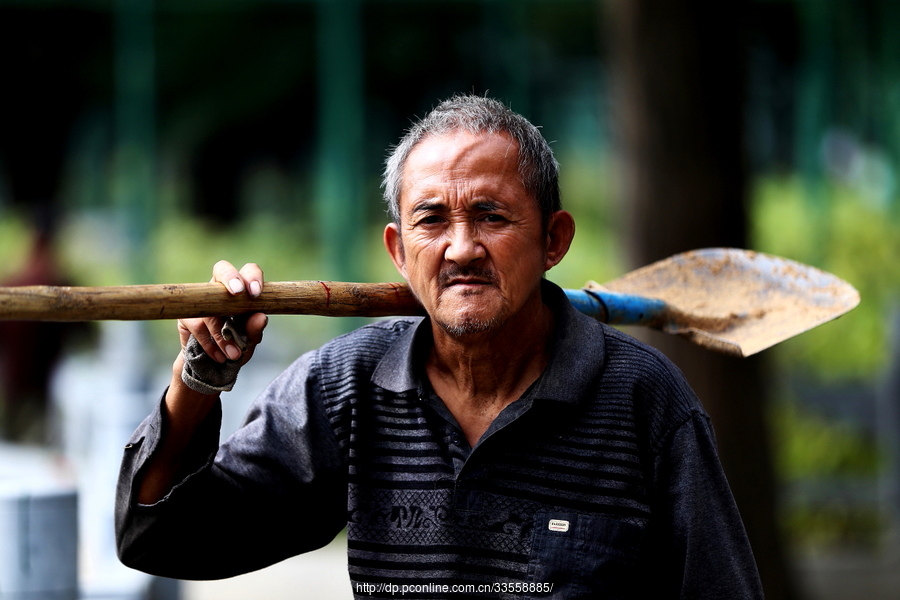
(101, 398)
(38, 527)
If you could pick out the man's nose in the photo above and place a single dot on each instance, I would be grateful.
(463, 244)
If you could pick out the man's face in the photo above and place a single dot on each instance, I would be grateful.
(470, 241)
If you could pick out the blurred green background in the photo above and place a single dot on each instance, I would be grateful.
(155, 138)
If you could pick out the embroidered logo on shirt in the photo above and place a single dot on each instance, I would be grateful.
(559, 525)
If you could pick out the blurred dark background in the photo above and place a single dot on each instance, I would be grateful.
(141, 141)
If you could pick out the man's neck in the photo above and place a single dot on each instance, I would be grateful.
(478, 375)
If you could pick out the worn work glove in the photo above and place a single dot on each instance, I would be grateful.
(202, 373)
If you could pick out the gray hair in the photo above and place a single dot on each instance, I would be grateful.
(538, 168)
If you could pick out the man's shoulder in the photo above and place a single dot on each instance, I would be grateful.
(662, 397)
(386, 330)
(368, 343)
(643, 357)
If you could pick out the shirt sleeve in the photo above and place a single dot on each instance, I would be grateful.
(703, 551)
(276, 488)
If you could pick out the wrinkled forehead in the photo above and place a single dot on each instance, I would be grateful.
(446, 143)
(459, 155)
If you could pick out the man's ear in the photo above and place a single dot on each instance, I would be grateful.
(560, 232)
(394, 246)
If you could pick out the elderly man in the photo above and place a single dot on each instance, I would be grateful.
(505, 446)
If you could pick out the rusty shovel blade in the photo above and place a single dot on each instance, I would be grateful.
(738, 301)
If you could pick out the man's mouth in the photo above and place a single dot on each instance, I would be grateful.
(465, 278)
(456, 282)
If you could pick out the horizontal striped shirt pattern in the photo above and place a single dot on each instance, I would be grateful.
(424, 507)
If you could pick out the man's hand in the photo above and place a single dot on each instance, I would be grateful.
(185, 408)
(208, 331)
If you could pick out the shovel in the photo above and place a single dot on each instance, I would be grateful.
(732, 301)
(737, 302)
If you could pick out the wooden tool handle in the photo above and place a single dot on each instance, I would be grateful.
(176, 301)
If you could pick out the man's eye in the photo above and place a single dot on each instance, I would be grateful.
(430, 220)
(493, 218)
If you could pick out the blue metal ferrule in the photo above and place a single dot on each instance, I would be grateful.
(615, 308)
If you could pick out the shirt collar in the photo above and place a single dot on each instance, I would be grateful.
(577, 353)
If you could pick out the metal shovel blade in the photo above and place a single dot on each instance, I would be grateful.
(738, 301)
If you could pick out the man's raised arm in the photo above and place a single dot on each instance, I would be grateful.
(187, 406)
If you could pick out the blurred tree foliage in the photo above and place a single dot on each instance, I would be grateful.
(830, 471)
(840, 228)
(815, 447)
